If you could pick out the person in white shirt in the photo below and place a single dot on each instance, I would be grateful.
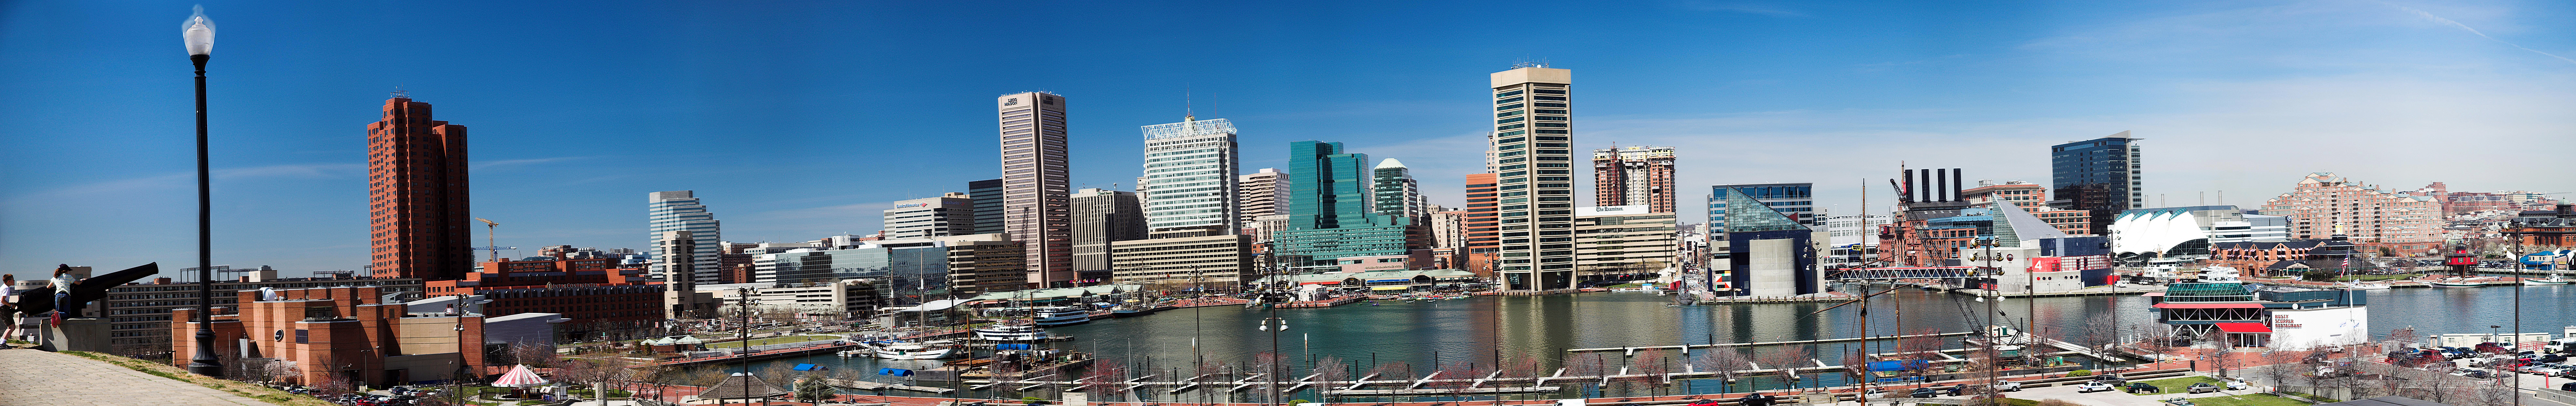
(8, 308)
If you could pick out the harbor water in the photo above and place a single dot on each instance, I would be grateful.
(1404, 340)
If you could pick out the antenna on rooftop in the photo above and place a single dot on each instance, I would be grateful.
(399, 93)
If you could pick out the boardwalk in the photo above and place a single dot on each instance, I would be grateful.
(43, 378)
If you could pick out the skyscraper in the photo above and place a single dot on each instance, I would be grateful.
(1483, 241)
(1189, 182)
(1262, 193)
(1395, 193)
(2100, 175)
(1532, 132)
(680, 210)
(1036, 195)
(1330, 215)
(1638, 175)
(988, 205)
(1101, 217)
(420, 216)
(947, 215)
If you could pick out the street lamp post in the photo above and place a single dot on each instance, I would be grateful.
(198, 32)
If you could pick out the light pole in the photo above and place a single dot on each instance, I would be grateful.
(199, 34)
(1274, 325)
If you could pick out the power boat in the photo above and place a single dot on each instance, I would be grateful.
(2364, 286)
(1011, 333)
(2553, 280)
(1061, 316)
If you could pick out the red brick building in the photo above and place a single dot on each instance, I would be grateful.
(1484, 239)
(312, 336)
(416, 188)
(594, 294)
(2253, 257)
(2324, 205)
(1638, 175)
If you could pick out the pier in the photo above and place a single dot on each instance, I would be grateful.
(1686, 347)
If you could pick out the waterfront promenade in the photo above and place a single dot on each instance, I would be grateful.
(43, 378)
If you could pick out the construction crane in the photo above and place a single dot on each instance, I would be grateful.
(489, 229)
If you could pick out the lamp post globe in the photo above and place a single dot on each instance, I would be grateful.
(198, 32)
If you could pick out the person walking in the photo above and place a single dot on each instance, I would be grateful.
(62, 283)
(8, 309)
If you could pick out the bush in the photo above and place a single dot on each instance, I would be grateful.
(2318, 275)
(1033, 401)
(1295, 402)
(2080, 372)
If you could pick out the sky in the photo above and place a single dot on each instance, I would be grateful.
(799, 120)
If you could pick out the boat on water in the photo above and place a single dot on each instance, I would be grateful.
(913, 351)
(2454, 283)
(2364, 286)
(2553, 280)
(1020, 332)
(1138, 310)
(1061, 316)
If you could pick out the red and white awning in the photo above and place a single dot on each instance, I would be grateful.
(519, 377)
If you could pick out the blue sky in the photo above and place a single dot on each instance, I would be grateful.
(796, 120)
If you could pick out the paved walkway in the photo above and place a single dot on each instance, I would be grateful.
(30, 377)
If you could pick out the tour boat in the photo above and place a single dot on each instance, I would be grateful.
(1011, 333)
(1061, 316)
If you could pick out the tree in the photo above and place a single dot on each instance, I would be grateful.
(1787, 359)
(533, 354)
(813, 389)
(1726, 363)
(1919, 344)
(1328, 370)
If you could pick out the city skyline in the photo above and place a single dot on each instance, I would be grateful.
(289, 149)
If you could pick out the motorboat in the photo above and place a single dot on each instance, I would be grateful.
(1061, 316)
(2553, 280)
(1011, 333)
(902, 350)
(2364, 286)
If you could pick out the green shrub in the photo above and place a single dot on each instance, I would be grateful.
(2080, 372)
(1295, 402)
(1033, 401)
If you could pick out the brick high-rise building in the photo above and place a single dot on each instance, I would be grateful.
(420, 217)
(1037, 201)
(1483, 238)
(2324, 205)
(1638, 175)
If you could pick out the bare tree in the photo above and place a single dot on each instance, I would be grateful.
(1726, 363)
(534, 355)
(1328, 370)
(1787, 359)
(1919, 344)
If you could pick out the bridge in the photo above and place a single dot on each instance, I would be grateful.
(1896, 273)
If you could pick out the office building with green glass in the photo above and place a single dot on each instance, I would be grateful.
(1332, 212)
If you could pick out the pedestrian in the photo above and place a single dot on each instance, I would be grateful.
(8, 308)
(62, 283)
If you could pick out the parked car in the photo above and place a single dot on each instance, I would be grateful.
(2094, 386)
(2203, 387)
(2143, 387)
(2238, 385)
(2178, 402)
(2007, 386)
(1924, 393)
